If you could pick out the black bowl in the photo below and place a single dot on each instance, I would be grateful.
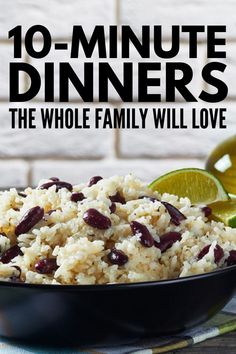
(111, 314)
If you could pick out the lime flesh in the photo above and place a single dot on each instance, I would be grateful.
(224, 212)
(200, 186)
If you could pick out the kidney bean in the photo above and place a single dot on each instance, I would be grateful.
(146, 238)
(51, 211)
(152, 199)
(231, 260)
(175, 215)
(30, 219)
(207, 211)
(117, 257)
(203, 252)
(117, 198)
(58, 184)
(22, 194)
(11, 253)
(218, 253)
(94, 218)
(112, 208)
(94, 180)
(77, 197)
(54, 179)
(18, 268)
(167, 240)
(46, 266)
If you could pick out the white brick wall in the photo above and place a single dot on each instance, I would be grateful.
(64, 143)
(80, 171)
(28, 155)
(14, 173)
(58, 15)
(177, 143)
(6, 56)
(182, 12)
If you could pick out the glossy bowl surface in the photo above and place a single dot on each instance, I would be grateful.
(111, 314)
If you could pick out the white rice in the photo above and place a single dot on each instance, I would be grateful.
(81, 250)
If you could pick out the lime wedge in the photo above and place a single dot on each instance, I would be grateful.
(200, 186)
(224, 212)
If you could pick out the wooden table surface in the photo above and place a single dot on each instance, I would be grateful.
(225, 344)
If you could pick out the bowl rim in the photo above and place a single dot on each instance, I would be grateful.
(119, 286)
